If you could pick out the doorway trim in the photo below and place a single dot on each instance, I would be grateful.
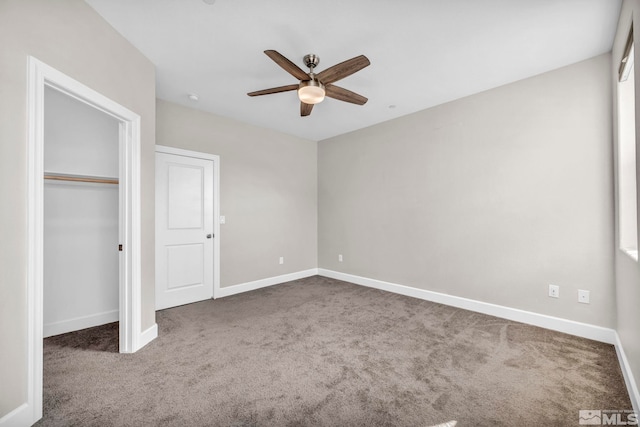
(39, 76)
(216, 205)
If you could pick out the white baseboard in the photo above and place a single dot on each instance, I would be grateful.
(19, 417)
(70, 325)
(262, 283)
(148, 335)
(585, 330)
(632, 387)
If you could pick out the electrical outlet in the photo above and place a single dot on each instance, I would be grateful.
(281, 260)
(583, 296)
(340, 258)
(554, 291)
(223, 220)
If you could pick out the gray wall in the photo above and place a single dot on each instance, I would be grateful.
(69, 36)
(491, 197)
(268, 191)
(627, 270)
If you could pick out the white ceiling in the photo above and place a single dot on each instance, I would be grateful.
(422, 52)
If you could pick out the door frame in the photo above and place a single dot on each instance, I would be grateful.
(130, 315)
(216, 205)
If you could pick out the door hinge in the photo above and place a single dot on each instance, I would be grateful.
(120, 248)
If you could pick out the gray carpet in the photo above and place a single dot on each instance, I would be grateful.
(321, 352)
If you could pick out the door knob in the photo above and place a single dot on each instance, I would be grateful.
(209, 236)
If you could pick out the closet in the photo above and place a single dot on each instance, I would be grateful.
(81, 215)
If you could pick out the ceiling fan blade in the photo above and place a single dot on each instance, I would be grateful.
(305, 109)
(287, 65)
(345, 95)
(274, 90)
(343, 69)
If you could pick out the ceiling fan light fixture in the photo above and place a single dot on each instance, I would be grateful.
(311, 91)
(311, 88)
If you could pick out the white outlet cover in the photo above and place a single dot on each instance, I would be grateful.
(340, 258)
(281, 260)
(223, 220)
(583, 296)
(554, 291)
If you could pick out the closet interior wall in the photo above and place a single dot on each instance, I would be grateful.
(81, 218)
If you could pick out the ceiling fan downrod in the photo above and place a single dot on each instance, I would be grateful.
(311, 61)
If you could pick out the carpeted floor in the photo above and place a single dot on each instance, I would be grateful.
(321, 352)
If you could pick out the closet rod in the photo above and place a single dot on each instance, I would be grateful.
(81, 179)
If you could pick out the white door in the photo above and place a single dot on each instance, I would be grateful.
(184, 230)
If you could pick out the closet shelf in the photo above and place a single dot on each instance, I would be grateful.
(80, 178)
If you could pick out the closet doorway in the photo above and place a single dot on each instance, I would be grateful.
(81, 215)
(44, 78)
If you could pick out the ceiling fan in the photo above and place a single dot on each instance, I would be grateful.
(313, 88)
